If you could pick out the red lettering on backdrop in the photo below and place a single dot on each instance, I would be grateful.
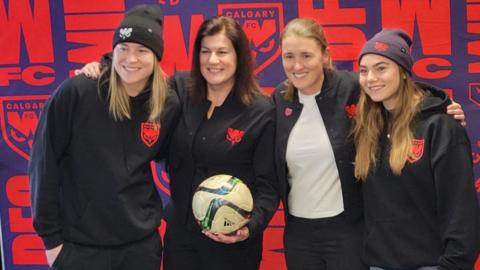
(476, 158)
(38, 75)
(473, 27)
(344, 41)
(18, 194)
(84, 6)
(178, 57)
(432, 68)
(473, 12)
(331, 13)
(273, 256)
(18, 222)
(20, 18)
(27, 248)
(273, 242)
(101, 18)
(473, 46)
(33, 75)
(93, 21)
(169, 2)
(432, 17)
(9, 73)
(97, 43)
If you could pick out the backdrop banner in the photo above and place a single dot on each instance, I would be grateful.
(43, 41)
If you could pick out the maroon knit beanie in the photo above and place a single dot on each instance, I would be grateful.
(394, 44)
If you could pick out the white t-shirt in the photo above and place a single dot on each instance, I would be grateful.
(316, 190)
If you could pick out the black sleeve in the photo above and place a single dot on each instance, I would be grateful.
(170, 118)
(50, 142)
(458, 211)
(176, 86)
(266, 196)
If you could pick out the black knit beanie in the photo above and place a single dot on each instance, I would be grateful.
(142, 24)
(394, 44)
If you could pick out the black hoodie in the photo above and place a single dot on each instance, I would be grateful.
(90, 175)
(429, 214)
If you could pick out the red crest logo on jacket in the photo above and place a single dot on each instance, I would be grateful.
(381, 46)
(351, 110)
(288, 111)
(234, 135)
(150, 133)
(417, 150)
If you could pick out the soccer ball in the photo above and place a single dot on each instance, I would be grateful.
(222, 204)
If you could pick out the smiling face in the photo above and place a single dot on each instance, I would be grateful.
(218, 62)
(134, 64)
(380, 79)
(303, 62)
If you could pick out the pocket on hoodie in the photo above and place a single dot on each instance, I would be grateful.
(407, 239)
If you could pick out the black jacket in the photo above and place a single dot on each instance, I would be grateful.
(201, 148)
(90, 176)
(429, 214)
(336, 102)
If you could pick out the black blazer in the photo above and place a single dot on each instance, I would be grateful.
(236, 140)
(337, 103)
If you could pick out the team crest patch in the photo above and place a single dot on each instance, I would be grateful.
(19, 118)
(234, 135)
(150, 133)
(417, 150)
(288, 111)
(351, 110)
(263, 23)
(381, 46)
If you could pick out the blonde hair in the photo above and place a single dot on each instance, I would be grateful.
(306, 28)
(370, 122)
(119, 101)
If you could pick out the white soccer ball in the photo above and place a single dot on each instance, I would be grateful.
(222, 204)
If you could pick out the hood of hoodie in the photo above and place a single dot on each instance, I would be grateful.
(436, 100)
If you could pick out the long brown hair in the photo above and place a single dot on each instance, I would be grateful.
(306, 28)
(370, 122)
(245, 84)
(119, 102)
